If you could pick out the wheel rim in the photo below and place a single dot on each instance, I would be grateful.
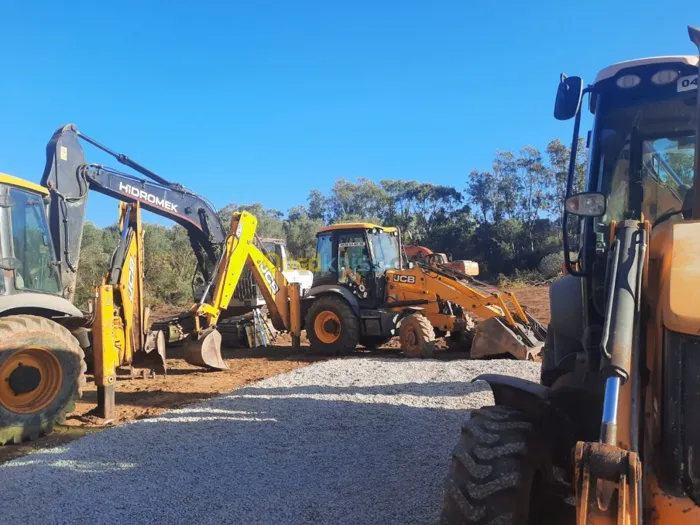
(30, 379)
(327, 327)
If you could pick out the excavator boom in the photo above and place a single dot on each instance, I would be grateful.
(70, 178)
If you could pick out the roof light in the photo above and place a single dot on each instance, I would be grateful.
(628, 81)
(665, 76)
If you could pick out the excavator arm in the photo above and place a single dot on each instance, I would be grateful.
(203, 345)
(69, 178)
(240, 250)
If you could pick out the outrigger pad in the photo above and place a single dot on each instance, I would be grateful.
(204, 349)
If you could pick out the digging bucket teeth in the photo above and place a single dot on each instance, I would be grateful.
(494, 338)
(204, 349)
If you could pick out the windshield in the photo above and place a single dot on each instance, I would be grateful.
(385, 250)
(644, 156)
(33, 256)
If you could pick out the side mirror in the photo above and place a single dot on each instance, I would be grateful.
(587, 204)
(569, 94)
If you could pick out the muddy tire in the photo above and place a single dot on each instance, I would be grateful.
(331, 326)
(42, 373)
(492, 471)
(461, 340)
(372, 342)
(417, 336)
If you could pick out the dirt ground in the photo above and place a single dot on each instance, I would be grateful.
(536, 300)
(185, 384)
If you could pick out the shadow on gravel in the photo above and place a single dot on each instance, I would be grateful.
(455, 388)
(260, 455)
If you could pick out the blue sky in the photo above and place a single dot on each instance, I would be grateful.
(263, 101)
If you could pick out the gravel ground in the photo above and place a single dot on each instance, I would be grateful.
(356, 441)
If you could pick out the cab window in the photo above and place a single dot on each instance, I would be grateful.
(325, 265)
(353, 259)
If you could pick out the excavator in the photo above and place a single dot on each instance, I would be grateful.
(119, 323)
(608, 435)
(417, 253)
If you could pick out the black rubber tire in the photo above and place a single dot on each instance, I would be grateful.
(21, 331)
(349, 336)
(424, 333)
(461, 341)
(372, 342)
(492, 471)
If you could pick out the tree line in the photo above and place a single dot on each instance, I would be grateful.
(507, 218)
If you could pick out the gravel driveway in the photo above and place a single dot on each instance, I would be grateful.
(356, 441)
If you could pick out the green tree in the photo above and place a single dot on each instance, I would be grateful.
(270, 221)
(300, 231)
(558, 156)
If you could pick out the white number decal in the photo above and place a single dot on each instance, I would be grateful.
(687, 83)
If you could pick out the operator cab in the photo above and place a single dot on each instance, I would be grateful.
(27, 257)
(641, 153)
(356, 256)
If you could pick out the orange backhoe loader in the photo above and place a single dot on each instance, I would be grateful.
(610, 434)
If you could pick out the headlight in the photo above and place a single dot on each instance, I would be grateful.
(665, 76)
(628, 81)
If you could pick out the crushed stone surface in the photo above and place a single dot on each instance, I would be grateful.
(349, 441)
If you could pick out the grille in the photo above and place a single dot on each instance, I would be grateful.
(681, 423)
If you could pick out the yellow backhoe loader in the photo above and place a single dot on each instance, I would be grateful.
(362, 265)
(42, 366)
(609, 435)
(363, 293)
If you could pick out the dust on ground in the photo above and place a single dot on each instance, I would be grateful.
(185, 384)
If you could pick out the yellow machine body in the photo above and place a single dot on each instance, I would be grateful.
(120, 324)
(504, 321)
(203, 344)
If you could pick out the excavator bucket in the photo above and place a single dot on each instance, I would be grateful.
(494, 338)
(204, 349)
(153, 355)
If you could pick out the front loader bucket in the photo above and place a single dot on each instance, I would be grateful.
(204, 349)
(494, 338)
